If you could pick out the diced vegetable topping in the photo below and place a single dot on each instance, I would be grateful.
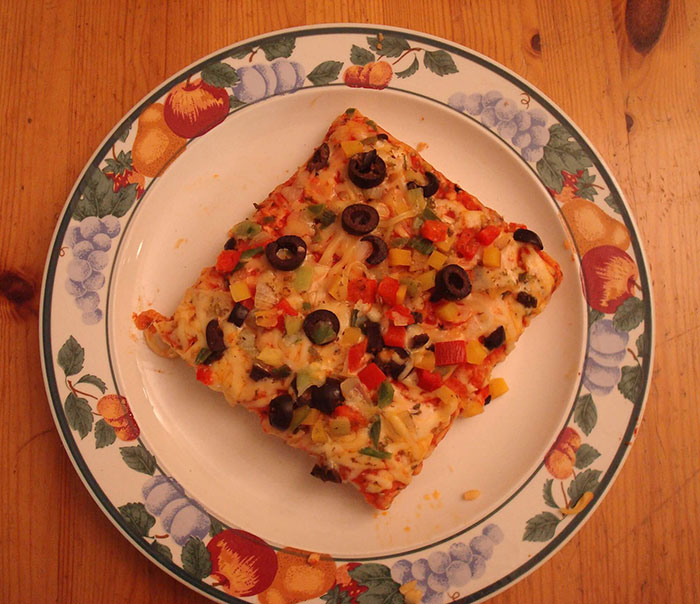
(239, 291)
(271, 356)
(303, 277)
(491, 257)
(437, 259)
(246, 229)
(371, 376)
(487, 235)
(351, 148)
(362, 289)
(476, 352)
(227, 261)
(421, 245)
(204, 374)
(427, 280)
(424, 360)
(395, 336)
(450, 353)
(399, 257)
(448, 312)
(388, 289)
(292, 325)
(355, 356)
(497, 387)
(428, 380)
(434, 230)
(385, 394)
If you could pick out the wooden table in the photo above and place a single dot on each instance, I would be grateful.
(627, 75)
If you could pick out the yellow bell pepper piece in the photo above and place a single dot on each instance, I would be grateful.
(399, 257)
(318, 432)
(448, 312)
(427, 279)
(339, 288)
(447, 396)
(271, 356)
(339, 426)
(476, 352)
(239, 291)
(491, 257)
(446, 245)
(401, 294)
(266, 318)
(352, 335)
(497, 387)
(472, 408)
(437, 259)
(352, 147)
(311, 418)
(425, 360)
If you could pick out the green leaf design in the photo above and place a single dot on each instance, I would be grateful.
(139, 458)
(614, 203)
(586, 413)
(629, 314)
(336, 596)
(119, 165)
(391, 46)
(94, 189)
(124, 134)
(632, 383)
(117, 204)
(584, 186)
(78, 414)
(642, 345)
(71, 357)
(162, 550)
(234, 103)
(216, 526)
(240, 53)
(360, 56)
(410, 70)
(439, 62)
(585, 481)
(325, 73)
(561, 152)
(196, 560)
(280, 47)
(381, 588)
(541, 527)
(220, 75)
(594, 315)
(94, 380)
(585, 456)
(547, 494)
(104, 434)
(137, 518)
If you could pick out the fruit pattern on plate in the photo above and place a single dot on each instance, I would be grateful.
(238, 563)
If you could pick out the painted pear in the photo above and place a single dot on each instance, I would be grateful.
(155, 145)
(591, 227)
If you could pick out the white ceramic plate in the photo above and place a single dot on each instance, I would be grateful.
(185, 477)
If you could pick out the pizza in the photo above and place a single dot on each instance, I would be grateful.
(361, 308)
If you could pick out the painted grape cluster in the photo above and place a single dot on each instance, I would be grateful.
(89, 243)
(445, 571)
(259, 81)
(525, 128)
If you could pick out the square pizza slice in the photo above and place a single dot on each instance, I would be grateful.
(361, 308)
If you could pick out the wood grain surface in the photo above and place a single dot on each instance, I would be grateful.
(626, 73)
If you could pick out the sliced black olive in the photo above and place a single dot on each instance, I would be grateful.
(526, 300)
(293, 250)
(325, 474)
(359, 219)
(230, 244)
(487, 400)
(380, 250)
(452, 282)
(281, 411)
(394, 369)
(321, 327)
(417, 316)
(215, 337)
(496, 338)
(528, 236)
(401, 352)
(366, 170)
(383, 137)
(238, 314)
(420, 340)
(258, 373)
(327, 397)
(430, 188)
(373, 331)
(319, 159)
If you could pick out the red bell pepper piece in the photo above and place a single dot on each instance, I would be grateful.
(228, 260)
(204, 374)
(400, 315)
(467, 244)
(357, 420)
(362, 289)
(450, 353)
(387, 290)
(286, 308)
(429, 380)
(435, 230)
(457, 386)
(395, 336)
(488, 234)
(468, 201)
(355, 354)
(371, 376)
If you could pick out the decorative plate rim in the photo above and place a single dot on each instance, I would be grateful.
(130, 117)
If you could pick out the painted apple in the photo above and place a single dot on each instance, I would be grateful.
(243, 564)
(610, 275)
(372, 75)
(116, 412)
(561, 457)
(301, 575)
(195, 107)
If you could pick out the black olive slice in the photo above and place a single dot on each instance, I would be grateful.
(230, 244)
(496, 338)
(401, 352)
(528, 236)
(281, 411)
(430, 188)
(380, 250)
(366, 170)
(373, 331)
(321, 327)
(394, 369)
(238, 314)
(359, 219)
(417, 316)
(419, 340)
(319, 159)
(293, 250)
(215, 337)
(452, 282)
(526, 300)
(258, 373)
(327, 397)
(325, 474)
